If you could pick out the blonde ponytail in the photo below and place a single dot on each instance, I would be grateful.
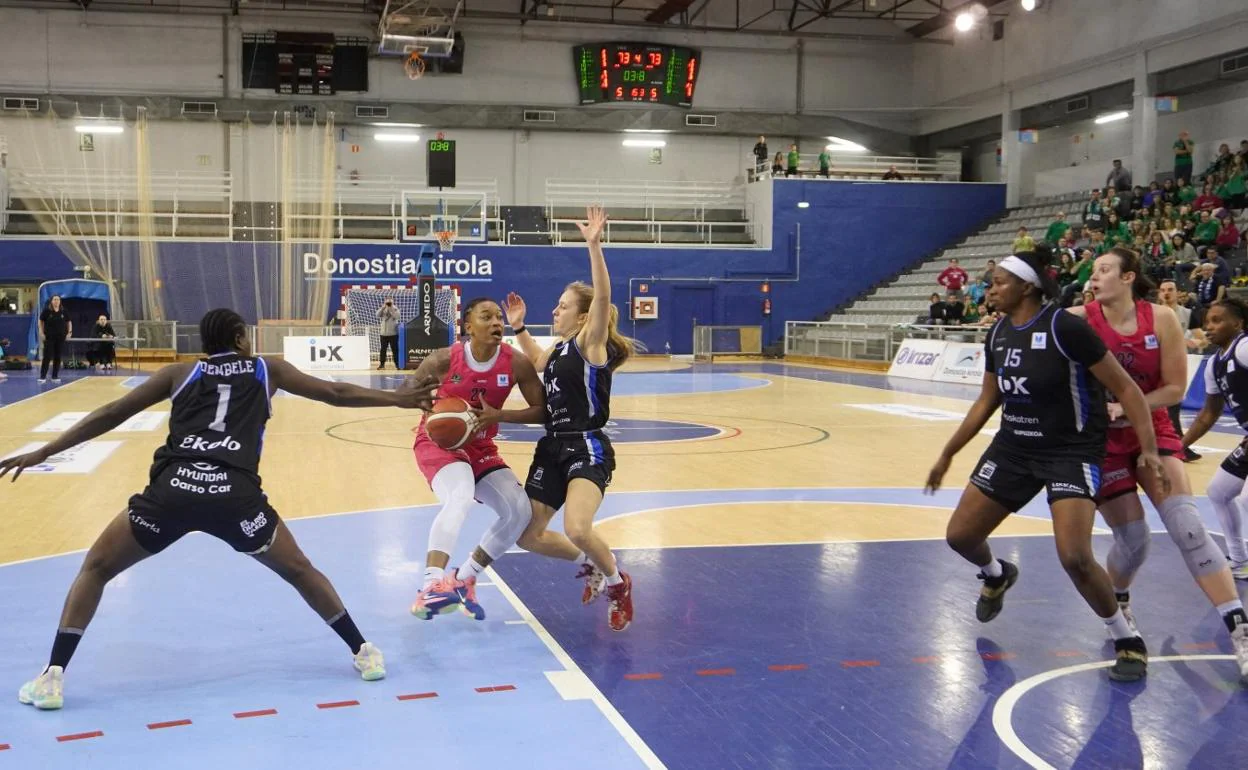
(619, 347)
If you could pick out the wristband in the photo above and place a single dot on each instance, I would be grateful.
(521, 330)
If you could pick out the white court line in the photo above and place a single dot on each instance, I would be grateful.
(573, 680)
(1003, 711)
(40, 394)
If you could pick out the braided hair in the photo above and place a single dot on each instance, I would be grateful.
(219, 331)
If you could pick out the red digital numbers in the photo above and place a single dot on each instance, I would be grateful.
(622, 58)
(656, 60)
(602, 79)
(619, 92)
(654, 94)
(602, 56)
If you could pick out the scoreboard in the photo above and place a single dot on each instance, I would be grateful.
(637, 72)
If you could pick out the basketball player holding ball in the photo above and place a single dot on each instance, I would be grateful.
(481, 371)
(1148, 342)
(573, 462)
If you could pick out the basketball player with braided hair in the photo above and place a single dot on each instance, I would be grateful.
(1148, 342)
(482, 371)
(1226, 385)
(1048, 372)
(206, 478)
(573, 462)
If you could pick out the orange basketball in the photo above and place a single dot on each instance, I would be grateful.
(451, 425)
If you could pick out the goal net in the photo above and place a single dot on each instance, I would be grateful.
(361, 303)
(711, 341)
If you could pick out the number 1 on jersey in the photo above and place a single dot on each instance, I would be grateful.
(223, 406)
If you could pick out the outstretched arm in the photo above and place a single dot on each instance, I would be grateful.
(151, 392)
(414, 393)
(594, 336)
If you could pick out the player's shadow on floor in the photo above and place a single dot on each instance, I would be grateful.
(981, 749)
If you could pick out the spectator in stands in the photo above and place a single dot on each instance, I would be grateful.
(1155, 257)
(1221, 268)
(975, 291)
(760, 155)
(825, 163)
(1080, 240)
(1221, 162)
(54, 328)
(936, 310)
(1184, 253)
(388, 319)
(1153, 196)
(953, 310)
(1208, 200)
(1093, 212)
(953, 278)
(1057, 228)
(777, 164)
(1183, 147)
(1169, 192)
(1243, 151)
(1099, 245)
(1065, 270)
(1116, 232)
(1207, 231)
(970, 312)
(1232, 190)
(1118, 178)
(986, 278)
(102, 354)
(893, 174)
(1186, 192)
(1023, 242)
(795, 159)
(1210, 287)
(1228, 236)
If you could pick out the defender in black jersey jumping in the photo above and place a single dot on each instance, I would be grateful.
(573, 462)
(205, 478)
(1047, 370)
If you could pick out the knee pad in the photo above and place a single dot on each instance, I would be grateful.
(1182, 520)
(1131, 542)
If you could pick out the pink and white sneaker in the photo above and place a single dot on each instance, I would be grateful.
(595, 581)
(437, 599)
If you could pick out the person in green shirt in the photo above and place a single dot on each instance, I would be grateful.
(1207, 230)
(1183, 147)
(1116, 232)
(1057, 229)
(825, 163)
(1083, 268)
(1232, 190)
(970, 312)
(1024, 242)
(1187, 193)
(794, 158)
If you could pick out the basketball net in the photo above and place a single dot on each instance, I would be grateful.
(446, 239)
(414, 66)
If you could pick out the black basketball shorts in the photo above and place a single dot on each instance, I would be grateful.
(1012, 479)
(1236, 463)
(201, 497)
(560, 458)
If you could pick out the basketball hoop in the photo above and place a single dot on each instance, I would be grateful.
(414, 66)
(446, 239)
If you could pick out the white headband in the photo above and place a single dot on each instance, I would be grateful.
(1018, 267)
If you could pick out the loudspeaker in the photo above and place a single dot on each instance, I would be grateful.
(998, 29)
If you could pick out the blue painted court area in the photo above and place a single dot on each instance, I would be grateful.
(868, 655)
(169, 646)
(19, 386)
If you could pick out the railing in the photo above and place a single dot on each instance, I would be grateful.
(105, 204)
(855, 166)
(864, 341)
(652, 197)
(649, 231)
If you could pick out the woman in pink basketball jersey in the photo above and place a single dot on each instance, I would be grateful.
(481, 370)
(1148, 341)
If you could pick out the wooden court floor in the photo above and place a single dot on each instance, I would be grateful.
(782, 432)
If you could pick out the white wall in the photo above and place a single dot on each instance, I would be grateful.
(1069, 46)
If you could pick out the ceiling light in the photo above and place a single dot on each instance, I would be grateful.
(964, 22)
(646, 131)
(644, 143)
(398, 125)
(101, 128)
(803, 204)
(392, 137)
(1029, 5)
(1111, 117)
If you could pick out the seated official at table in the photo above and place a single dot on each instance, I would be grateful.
(102, 354)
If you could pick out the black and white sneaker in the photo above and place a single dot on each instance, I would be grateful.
(992, 594)
(1132, 663)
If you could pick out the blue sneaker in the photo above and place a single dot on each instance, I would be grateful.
(466, 592)
(438, 599)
